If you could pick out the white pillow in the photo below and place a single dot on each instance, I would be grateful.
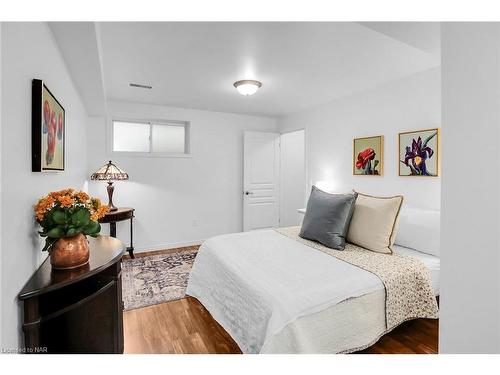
(419, 229)
(374, 222)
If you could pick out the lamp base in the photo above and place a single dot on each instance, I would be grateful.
(110, 189)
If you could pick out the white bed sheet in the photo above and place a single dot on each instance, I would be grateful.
(259, 285)
(351, 325)
(255, 283)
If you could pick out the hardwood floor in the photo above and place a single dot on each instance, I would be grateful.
(419, 336)
(185, 326)
(180, 327)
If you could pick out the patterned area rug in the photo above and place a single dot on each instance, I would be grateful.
(154, 279)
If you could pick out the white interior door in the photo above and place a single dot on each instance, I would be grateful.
(261, 155)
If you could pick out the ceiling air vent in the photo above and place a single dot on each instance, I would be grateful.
(140, 86)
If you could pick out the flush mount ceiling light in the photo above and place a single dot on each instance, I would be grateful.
(138, 85)
(247, 87)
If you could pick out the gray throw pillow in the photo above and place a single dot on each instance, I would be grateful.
(327, 218)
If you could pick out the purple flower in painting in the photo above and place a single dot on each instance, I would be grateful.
(417, 154)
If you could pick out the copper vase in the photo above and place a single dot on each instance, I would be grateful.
(69, 252)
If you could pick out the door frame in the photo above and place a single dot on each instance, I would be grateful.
(306, 170)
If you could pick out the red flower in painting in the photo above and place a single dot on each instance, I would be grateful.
(51, 138)
(364, 157)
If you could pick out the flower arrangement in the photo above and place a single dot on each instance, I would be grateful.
(67, 213)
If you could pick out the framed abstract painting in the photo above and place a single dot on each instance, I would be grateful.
(419, 153)
(47, 130)
(368, 156)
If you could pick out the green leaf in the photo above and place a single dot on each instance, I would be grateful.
(80, 218)
(368, 167)
(55, 233)
(73, 232)
(47, 221)
(413, 170)
(428, 139)
(58, 216)
(93, 228)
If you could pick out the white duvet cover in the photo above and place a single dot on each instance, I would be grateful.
(256, 283)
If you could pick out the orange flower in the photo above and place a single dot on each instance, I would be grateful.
(101, 211)
(43, 206)
(82, 196)
(68, 198)
(61, 193)
(40, 215)
(66, 201)
(44, 203)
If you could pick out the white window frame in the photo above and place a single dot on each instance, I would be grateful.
(150, 122)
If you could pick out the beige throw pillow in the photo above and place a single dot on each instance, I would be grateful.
(374, 222)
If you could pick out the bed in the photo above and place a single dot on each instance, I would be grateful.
(275, 294)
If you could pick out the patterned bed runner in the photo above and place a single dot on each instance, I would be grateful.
(407, 281)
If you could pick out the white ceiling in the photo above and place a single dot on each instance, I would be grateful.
(80, 46)
(301, 65)
(423, 35)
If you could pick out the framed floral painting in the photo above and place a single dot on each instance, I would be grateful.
(419, 153)
(47, 130)
(368, 156)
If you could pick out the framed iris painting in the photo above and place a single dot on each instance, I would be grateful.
(368, 156)
(47, 130)
(419, 153)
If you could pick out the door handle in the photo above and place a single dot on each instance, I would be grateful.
(248, 192)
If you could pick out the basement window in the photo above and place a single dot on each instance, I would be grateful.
(151, 138)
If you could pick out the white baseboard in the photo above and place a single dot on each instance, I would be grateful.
(172, 245)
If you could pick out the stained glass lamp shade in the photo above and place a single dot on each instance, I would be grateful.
(110, 172)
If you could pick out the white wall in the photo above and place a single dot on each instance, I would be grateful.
(1, 184)
(293, 177)
(29, 51)
(179, 201)
(405, 104)
(470, 244)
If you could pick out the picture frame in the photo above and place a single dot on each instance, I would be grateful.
(368, 156)
(48, 130)
(419, 153)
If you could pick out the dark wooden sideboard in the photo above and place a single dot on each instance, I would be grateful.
(79, 310)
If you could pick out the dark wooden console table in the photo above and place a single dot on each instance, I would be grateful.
(78, 310)
(121, 214)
